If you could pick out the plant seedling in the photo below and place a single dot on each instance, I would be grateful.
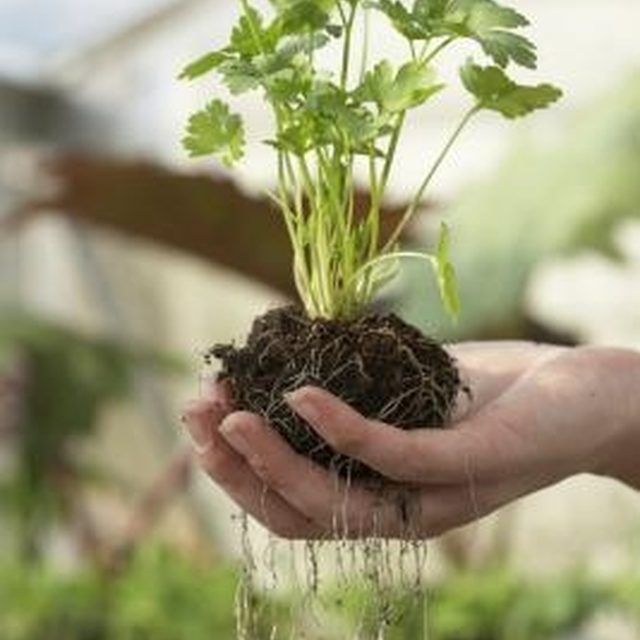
(327, 122)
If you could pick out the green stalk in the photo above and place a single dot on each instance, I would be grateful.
(346, 50)
(300, 272)
(391, 152)
(417, 199)
(438, 49)
(373, 216)
(365, 44)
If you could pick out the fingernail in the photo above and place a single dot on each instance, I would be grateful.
(198, 423)
(231, 433)
(303, 403)
(200, 436)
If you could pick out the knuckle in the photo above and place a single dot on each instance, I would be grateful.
(217, 464)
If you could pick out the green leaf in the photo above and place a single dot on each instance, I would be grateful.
(431, 15)
(301, 134)
(288, 85)
(494, 90)
(446, 275)
(215, 130)
(413, 84)
(284, 73)
(249, 37)
(489, 23)
(484, 15)
(401, 18)
(204, 64)
(503, 46)
(484, 21)
(240, 75)
(302, 16)
(290, 48)
(329, 117)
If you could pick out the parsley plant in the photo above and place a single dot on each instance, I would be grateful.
(326, 121)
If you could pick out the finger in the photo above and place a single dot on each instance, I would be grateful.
(396, 512)
(230, 471)
(488, 369)
(218, 391)
(344, 509)
(441, 456)
(200, 417)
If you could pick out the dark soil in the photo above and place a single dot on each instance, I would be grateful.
(380, 365)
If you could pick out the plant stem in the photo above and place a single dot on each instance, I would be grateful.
(346, 51)
(365, 44)
(415, 203)
(438, 49)
(396, 255)
(294, 225)
(391, 152)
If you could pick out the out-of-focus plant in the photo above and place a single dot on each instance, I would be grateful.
(495, 605)
(62, 381)
(500, 606)
(544, 202)
(36, 604)
(625, 592)
(166, 595)
(162, 594)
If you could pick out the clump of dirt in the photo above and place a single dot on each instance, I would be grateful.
(379, 364)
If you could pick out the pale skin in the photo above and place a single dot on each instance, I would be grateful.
(537, 414)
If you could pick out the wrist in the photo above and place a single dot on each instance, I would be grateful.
(621, 457)
(626, 463)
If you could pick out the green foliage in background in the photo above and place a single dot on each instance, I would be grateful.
(501, 606)
(162, 595)
(544, 202)
(63, 380)
(165, 595)
(492, 605)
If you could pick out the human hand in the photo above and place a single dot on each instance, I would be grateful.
(537, 415)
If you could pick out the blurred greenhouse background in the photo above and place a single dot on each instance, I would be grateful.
(122, 262)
